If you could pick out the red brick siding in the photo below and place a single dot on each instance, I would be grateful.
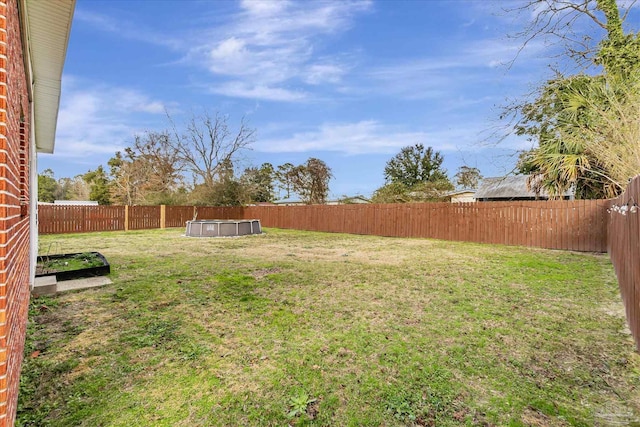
(14, 213)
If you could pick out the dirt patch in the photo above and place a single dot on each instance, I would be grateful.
(535, 418)
(615, 309)
(313, 409)
(259, 274)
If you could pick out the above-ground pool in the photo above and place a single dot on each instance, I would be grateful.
(223, 227)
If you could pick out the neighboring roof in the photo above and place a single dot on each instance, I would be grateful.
(509, 187)
(46, 26)
(358, 197)
(351, 199)
(289, 201)
(354, 199)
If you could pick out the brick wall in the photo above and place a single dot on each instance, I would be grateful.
(14, 212)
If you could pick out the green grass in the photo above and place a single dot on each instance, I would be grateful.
(300, 328)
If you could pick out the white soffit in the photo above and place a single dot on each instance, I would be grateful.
(46, 25)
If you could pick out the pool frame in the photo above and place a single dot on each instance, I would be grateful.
(223, 227)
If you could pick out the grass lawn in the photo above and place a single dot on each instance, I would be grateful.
(301, 328)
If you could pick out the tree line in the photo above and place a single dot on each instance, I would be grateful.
(196, 166)
(151, 172)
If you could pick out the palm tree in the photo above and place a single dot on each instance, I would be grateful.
(588, 136)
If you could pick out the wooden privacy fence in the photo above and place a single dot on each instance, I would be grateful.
(572, 225)
(624, 249)
(142, 217)
(53, 219)
(79, 219)
(578, 225)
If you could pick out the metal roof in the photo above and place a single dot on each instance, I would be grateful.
(46, 26)
(509, 187)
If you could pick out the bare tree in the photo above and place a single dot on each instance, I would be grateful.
(556, 22)
(208, 143)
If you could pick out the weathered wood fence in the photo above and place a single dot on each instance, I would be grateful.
(573, 225)
(579, 225)
(624, 249)
(79, 219)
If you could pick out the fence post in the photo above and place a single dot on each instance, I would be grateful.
(126, 217)
(163, 216)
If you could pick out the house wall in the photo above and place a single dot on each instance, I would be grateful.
(15, 150)
(463, 198)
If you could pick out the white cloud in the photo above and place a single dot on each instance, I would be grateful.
(264, 7)
(303, 19)
(448, 134)
(415, 79)
(261, 51)
(503, 51)
(231, 50)
(133, 101)
(99, 119)
(324, 73)
(239, 59)
(240, 89)
(439, 75)
(363, 137)
(270, 46)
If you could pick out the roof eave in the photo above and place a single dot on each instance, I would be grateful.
(46, 27)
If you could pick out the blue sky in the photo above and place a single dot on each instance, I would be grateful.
(349, 82)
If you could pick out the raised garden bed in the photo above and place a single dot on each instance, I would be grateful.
(72, 266)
